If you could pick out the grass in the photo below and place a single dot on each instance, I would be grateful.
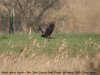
(72, 44)
(54, 54)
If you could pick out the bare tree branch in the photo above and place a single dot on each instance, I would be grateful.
(30, 12)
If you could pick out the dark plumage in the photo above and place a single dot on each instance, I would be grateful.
(49, 30)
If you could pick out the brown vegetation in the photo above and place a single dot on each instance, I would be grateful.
(60, 63)
(69, 15)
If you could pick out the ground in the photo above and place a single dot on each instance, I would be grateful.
(64, 52)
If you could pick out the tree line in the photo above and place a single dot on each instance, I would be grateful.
(21, 15)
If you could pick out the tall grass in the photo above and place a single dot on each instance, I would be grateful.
(62, 53)
(72, 44)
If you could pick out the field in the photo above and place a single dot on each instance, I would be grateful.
(74, 48)
(63, 52)
(72, 44)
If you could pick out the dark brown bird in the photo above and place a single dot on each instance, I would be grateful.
(49, 30)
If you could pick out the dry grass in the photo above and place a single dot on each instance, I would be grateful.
(43, 63)
(42, 55)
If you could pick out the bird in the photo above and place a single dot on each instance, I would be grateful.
(49, 30)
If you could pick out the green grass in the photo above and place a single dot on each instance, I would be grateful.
(83, 44)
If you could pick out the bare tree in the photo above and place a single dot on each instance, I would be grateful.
(28, 13)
